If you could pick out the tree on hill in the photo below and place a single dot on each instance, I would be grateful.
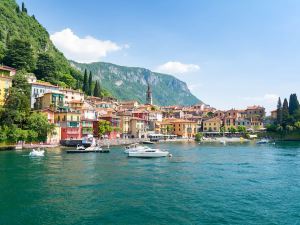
(285, 112)
(90, 84)
(293, 104)
(85, 82)
(279, 111)
(19, 55)
(97, 92)
(17, 104)
(24, 8)
(46, 67)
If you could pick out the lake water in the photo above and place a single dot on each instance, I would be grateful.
(201, 184)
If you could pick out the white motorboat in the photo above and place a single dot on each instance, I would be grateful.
(37, 153)
(134, 147)
(263, 141)
(148, 153)
(80, 147)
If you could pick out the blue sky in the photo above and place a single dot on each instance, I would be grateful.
(230, 53)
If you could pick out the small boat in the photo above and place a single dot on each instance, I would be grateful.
(80, 147)
(263, 141)
(37, 153)
(90, 149)
(148, 153)
(148, 142)
(134, 147)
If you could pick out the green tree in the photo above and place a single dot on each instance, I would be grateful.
(210, 114)
(18, 9)
(198, 137)
(104, 127)
(46, 67)
(2, 51)
(232, 129)
(285, 112)
(90, 84)
(85, 82)
(293, 104)
(24, 8)
(297, 124)
(241, 129)
(97, 90)
(170, 129)
(39, 123)
(19, 55)
(279, 111)
(17, 104)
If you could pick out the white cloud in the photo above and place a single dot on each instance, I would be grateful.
(87, 49)
(175, 67)
(270, 98)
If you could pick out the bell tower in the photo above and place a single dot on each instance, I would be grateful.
(149, 95)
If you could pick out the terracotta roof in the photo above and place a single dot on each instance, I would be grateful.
(42, 83)
(7, 68)
(255, 107)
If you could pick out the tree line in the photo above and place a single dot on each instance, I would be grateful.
(287, 115)
(90, 88)
(17, 121)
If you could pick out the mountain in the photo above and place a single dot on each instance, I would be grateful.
(18, 28)
(25, 44)
(127, 83)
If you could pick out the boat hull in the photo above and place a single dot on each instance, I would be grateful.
(148, 154)
(89, 151)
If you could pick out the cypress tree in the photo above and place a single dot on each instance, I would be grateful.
(18, 9)
(96, 89)
(90, 84)
(85, 82)
(294, 104)
(23, 7)
(285, 112)
(279, 111)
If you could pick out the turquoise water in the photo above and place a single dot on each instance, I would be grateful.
(201, 184)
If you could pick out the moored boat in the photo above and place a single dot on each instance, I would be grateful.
(148, 153)
(263, 141)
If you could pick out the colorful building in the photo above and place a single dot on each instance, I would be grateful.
(184, 128)
(138, 127)
(125, 118)
(212, 125)
(52, 100)
(39, 88)
(72, 95)
(6, 74)
(70, 123)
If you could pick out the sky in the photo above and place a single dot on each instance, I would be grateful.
(230, 53)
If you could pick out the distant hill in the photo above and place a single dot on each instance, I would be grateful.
(128, 83)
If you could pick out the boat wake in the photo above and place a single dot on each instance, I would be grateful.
(37, 153)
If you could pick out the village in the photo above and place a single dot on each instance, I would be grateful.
(78, 117)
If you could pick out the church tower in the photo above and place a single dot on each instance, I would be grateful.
(149, 95)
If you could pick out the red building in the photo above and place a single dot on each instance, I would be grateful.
(69, 121)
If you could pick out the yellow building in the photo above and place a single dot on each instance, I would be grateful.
(49, 100)
(184, 128)
(5, 81)
(212, 125)
(165, 127)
